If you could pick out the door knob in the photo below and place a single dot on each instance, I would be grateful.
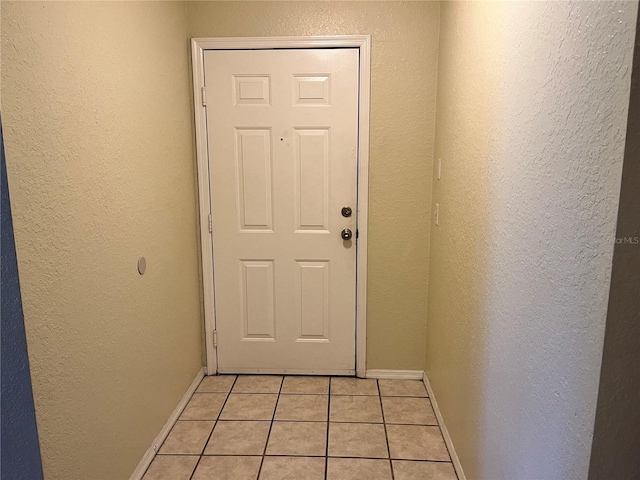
(346, 234)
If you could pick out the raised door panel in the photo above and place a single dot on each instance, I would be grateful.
(254, 179)
(257, 291)
(312, 189)
(313, 300)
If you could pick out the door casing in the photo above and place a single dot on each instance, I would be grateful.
(198, 46)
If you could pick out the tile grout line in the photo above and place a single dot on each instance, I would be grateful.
(214, 427)
(312, 421)
(298, 455)
(384, 424)
(326, 451)
(273, 417)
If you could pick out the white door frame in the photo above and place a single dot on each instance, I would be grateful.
(363, 44)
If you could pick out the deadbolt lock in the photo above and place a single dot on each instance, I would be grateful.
(346, 211)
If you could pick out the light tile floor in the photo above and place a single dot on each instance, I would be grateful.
(269, 427)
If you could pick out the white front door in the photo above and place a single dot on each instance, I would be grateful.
(282, 130)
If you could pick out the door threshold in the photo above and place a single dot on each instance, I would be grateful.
(285, 371)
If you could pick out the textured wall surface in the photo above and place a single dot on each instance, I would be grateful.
(98, 137)
(616, 436)
(403, 87)
(531, 116)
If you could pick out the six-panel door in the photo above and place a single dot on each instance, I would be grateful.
(282, 138)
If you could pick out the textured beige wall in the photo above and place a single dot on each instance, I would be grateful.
(97, 124)
(403, 86)
(531, 114)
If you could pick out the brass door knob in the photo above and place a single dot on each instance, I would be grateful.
(346, 234)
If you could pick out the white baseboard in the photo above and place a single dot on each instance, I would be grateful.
(155, 446)
(445, 433)
(395, 374)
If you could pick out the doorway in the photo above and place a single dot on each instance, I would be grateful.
(282, 134)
